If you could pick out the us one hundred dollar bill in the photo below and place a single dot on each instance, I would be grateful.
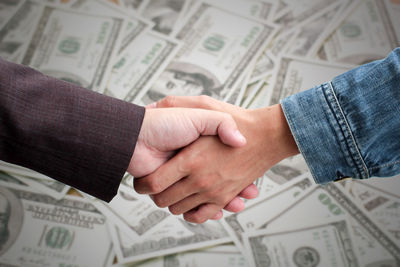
(134, 214)
(214, 56)
(165, 14)
(367, 34)
(255, 215)
(382, 206)
(174, 235)
(133, 27)
(61, 48)
(37, 230)
(16, 31)
(374, 245)
(329, 244)
(294, 75)
(137, 67)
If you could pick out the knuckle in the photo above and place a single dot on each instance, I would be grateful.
(195, 161)
(190, 163)
(209, 102)
(159, 201)
(168, 101)
(224, 200)
(228, 117)
(174, 210)
(204, 100)
(202, 184)
(210, 194)
(138, 186)
(184, 166)
(198, 218)
(154, 186)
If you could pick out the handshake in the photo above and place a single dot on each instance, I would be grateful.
(180, 163)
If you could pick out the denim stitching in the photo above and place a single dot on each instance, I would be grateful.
(365, 169)
(385, 165)
(336, 122)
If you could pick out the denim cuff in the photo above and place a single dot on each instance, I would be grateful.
(323, 135)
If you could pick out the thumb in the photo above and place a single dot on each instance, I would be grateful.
(215, 122)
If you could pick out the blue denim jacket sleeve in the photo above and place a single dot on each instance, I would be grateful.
(350, 127)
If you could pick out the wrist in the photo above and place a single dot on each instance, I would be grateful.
(272, 127)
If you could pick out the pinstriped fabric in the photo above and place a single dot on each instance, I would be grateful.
(69, 133)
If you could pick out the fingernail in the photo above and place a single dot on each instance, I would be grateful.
(152, 105)
(240, 137)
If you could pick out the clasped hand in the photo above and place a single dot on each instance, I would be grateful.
(209, 173)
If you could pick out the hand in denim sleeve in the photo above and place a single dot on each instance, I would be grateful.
(350, 127)
(344, 128)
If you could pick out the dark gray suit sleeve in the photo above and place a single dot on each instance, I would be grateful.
(79, 137)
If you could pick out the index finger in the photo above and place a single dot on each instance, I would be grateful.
(165, 176)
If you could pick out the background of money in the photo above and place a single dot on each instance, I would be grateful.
(246, 52)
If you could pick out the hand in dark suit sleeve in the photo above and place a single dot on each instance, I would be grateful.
(88, 140)
(76, 136)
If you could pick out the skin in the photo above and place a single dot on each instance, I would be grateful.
(164, 131)
(204, 177)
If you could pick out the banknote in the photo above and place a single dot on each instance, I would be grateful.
(251, 92)
(310, 35)
(140, 64)
(18, 170)
(384, 207)
(16, 31)
(50, 187)
(165, 14)
(221, 256)
(259, 9)
(237, 97)
(214, 56)
(374, 245)
(37, 230)
(7, 9)
(388, 185)
(264, 67)
(131, 4)
(281, 42)
(7, 179)
(266, 187)
(64, 3)
(297, 74)
(393, 8)
(266, 209)
(134, 25)
(237, 93)
(135, 214)
(366, 35)
(35, 180)
(300, 12)
(260, 97)
(345, 9)
(175, 235)
(288, 169)
(327, 244)
(60, 48)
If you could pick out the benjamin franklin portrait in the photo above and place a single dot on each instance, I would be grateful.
(184, 79)
(11, 218)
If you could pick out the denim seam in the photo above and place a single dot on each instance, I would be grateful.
(293, 130)
(385, 165)
(344, 125)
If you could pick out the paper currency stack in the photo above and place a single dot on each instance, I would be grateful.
(250, 53)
